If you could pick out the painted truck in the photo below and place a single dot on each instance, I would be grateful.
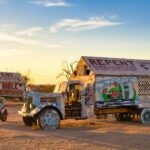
(98, 86)
(47, 109)
(116, 86)
(12, 85)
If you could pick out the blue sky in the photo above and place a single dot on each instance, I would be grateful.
(37, 35)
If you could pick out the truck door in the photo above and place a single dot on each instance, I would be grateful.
(73, 104)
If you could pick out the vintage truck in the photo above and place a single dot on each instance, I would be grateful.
(47, 109)
(98, 86)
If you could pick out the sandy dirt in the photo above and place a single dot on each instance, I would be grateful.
(89, 134)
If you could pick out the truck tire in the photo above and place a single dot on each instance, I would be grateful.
(145, 116)
(27, 120)
(128, 116)
(48, 119)
(4, 116)
(119, 117)
(124, 116)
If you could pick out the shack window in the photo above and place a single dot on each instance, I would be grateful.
(86, 70)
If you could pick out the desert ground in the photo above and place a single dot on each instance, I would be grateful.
(91, 134)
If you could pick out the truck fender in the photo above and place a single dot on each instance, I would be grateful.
(50, 107)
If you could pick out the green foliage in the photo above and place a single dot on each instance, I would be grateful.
(67, 69)
(26, 77)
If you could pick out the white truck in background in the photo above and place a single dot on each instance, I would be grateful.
(12, 85)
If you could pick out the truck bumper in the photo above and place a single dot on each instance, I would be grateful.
(25, 114)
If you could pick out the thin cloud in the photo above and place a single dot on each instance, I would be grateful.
(75, 25)
(9, 37)
(29, 32)
(7, 27)
(51, 3)
(9, 33)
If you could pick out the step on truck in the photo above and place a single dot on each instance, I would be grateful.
(98, 86)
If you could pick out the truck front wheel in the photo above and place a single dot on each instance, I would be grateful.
(145, 116)
(27, 120)
(48, 119)
(4, 116)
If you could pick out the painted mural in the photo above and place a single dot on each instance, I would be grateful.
(112, 89)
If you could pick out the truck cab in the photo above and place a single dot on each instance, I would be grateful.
(47, 109)
(74, 99)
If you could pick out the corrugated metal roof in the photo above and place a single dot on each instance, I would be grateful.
(11, 77)
(117, 66)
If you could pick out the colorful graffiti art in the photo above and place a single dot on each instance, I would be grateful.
(112, 92)
(112, 89)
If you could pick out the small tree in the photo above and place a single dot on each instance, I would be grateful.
(67, 69)
(26, 78)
